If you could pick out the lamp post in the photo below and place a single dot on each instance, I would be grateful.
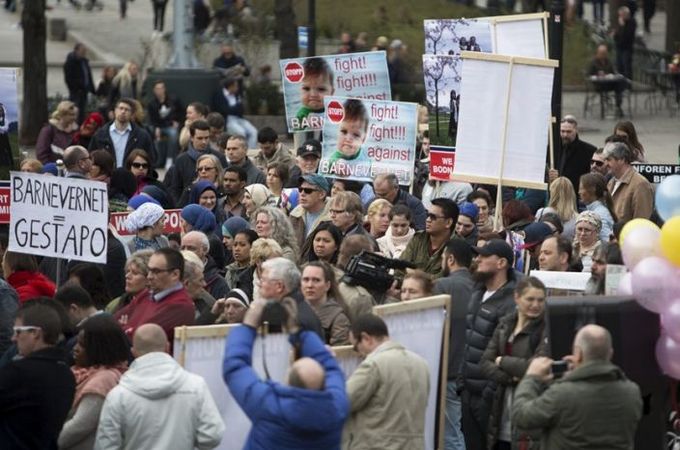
(556, 33)
(183, 36)
(311, 24)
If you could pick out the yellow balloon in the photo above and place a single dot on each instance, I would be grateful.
(633, 224)
(670, 240)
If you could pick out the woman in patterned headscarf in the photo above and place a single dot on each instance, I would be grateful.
(147, 222)
(587, 239)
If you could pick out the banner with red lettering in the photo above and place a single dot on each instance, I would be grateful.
(307, 81)
(172, 222)
(4, 201)
(442, 160)
(363, 138)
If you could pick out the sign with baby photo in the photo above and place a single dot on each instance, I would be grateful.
(363, 138)
(307, 81)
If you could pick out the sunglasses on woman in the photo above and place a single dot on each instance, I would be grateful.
(137, 165)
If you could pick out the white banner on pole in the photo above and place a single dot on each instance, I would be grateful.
(58, 217)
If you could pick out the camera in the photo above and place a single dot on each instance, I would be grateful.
(558, 368)
(276, 316)
(372, 271)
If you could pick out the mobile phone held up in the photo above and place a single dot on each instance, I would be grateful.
(558, 368)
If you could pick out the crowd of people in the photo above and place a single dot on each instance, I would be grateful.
(269, 228)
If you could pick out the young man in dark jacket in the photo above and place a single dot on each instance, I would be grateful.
(36, 391)
(492, 298)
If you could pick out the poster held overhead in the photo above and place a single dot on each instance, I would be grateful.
(307, 81)
(363, 138)
(504, 141)
(58, 217)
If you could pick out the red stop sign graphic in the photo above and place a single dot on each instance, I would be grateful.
(294, 72)
(335, 111)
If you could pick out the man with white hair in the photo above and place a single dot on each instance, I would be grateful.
(632, 194)
(158, 404)
(280, 279)
(593, 406)
(197, 242)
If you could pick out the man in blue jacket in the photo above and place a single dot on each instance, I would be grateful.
(307, 413)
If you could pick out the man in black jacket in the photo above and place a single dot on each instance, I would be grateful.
(492, 298)
(576, 154)
(183, 173)
(121, 136)
(78, 78)
(457, 282)
(36, 391)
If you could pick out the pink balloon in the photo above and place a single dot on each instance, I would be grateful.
(625, 287)
(652, 283)
(668, 356)
(670, 320)
(641, 243)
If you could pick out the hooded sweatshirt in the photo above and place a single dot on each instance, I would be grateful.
(159, 405)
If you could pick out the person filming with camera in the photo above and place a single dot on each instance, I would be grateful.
(576, 411)
(310, 409)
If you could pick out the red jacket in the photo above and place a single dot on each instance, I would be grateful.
(31, 285)
(175, 310)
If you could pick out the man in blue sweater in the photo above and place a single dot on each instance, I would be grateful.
(309, 411)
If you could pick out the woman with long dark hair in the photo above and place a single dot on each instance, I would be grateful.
(320, 289)
(326, 239)
(101, 354)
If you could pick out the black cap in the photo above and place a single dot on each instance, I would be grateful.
(496, 247)
(535, 233)
(310, 147)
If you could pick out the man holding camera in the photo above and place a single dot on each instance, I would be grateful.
(309, 411)
(577, 410)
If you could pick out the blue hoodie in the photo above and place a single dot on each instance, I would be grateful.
(285, 417)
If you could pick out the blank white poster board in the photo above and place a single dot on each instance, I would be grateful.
(421, 327)
(520, 35)
(202, 351)
(503, 122)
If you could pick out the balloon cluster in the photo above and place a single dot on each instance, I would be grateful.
(652, 256)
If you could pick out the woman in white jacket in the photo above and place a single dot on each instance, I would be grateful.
(158, 404)
(399, 232)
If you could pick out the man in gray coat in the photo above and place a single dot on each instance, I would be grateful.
(387, 393)
(457, 282)
(594, 406)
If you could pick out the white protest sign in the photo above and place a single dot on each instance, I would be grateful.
(520, 35)
(504, 116)
(572, 281)
(613, 277)
(58, 217)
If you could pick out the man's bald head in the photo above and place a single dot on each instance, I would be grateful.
(149, 338)
(306, 373)
(74, 154)
(594, 342)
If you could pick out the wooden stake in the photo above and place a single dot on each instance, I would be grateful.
(499, 194)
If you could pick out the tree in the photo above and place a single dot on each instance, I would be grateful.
(34, 110)
(286, 29)
(672, 28)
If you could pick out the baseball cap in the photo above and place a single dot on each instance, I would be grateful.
(535, 233)
(496, 247)
(310, 147)
(316, 180)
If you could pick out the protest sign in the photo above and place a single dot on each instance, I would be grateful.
(4, 201)
(520, 35)
(504, 116)
(200, 350)
(655, 173)
(562, 283)
(442, 76)
(58, 217)
(9, 118)
(442, 160)
(612, 278)
(453, 36)
(172, 222)
(307, 81)
(364, 138)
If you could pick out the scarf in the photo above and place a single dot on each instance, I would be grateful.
(97, 380)
(397, 244)
(141, 244)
